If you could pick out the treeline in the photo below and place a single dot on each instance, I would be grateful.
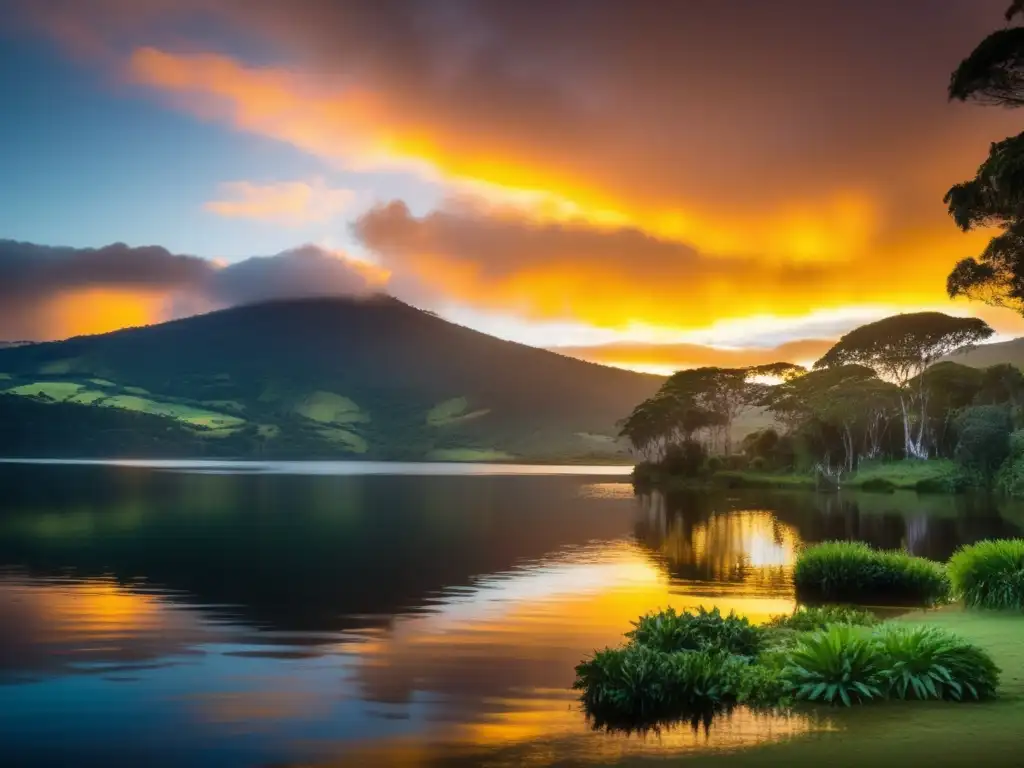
(882, 392)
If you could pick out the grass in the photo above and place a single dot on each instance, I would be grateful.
(55, 390)
(468, 454)
(913, 733)
(102, 382)
(350, 440)
(196, 417)
(329, 408)
(88, 397)
(853, 572)
(990, 574)
(935, 475)
(268, 431)
(453, 411)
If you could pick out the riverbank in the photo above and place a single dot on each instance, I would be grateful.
(912, 733)
(935, 476)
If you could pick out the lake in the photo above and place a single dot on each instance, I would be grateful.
(325, 614)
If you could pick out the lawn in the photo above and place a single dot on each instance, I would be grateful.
(196, 417)
(912, 733)
(937, 474)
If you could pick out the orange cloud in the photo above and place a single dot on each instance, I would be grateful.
(287, 202)
(697, 168)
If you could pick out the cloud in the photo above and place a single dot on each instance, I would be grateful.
(678, 164)
(52, 292)
(612, 277)
(672, 357)
(288, 202)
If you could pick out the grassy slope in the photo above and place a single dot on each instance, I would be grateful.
(907, 734)
(985, 355)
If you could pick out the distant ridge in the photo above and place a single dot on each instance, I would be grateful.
(341, 377)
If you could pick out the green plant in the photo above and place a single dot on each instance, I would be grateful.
(837, 665)
(637, 683)
(668, 631)
(930, 663)
(810, 618)
(853, 572)
(989, 574)
(629, 682)
(984, 442)
(765, 686)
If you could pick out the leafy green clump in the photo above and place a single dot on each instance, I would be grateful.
(837, 665)
(810, 618)
(929, 663)
(668, 631)
(638, 683)
(989, 574)
(853, 572)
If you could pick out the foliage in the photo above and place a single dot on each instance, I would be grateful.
(993, 74)
(810, 618)
(989, 574)
(899, 349)
(845, 571)
(836, 665)
(929, 663)
(639, 683)
(668, 631)
(764, 686)
(984, 439)
(685, 459)
(1010, 479)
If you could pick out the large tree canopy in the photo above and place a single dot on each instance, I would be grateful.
(899, 349)
(993, 74)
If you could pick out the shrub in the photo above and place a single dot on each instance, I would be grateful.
(808, 619)
(878, 485)
(715, 463)
(629, 682)
(668, 632)
(764, 686)
(645, 474)
(639, 683)
(930, 663)
(837, 665)
(758, 464)
(685, 459)
(989, 574)
(853, 572)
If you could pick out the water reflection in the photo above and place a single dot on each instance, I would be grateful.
(363, 620)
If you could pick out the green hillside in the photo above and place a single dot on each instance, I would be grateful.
(356, 378)
(985, 355)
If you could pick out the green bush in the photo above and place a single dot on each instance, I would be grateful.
(989, 574)
(878, 485)
(764, 686)
(1010, 479)
(853, 572)
(758, 464)
(715, 464)
(641, 684)
(837, 665)
(930, 663)
(684, 460)
(810, 618)
(668, 632)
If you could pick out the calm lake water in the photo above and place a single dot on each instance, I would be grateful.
(348, 614)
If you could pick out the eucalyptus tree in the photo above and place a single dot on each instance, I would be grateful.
(898, 349)
(849, 398)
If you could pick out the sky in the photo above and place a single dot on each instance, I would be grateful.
(654, 184)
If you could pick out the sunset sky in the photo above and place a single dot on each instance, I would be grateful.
(654, 183)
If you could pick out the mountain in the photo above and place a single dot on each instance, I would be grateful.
(984, 355)
(317, 378)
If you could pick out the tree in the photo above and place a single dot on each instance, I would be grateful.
(899, 349)
(851, 399)
(1001, 384)
(993, 74)
(950, 386)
